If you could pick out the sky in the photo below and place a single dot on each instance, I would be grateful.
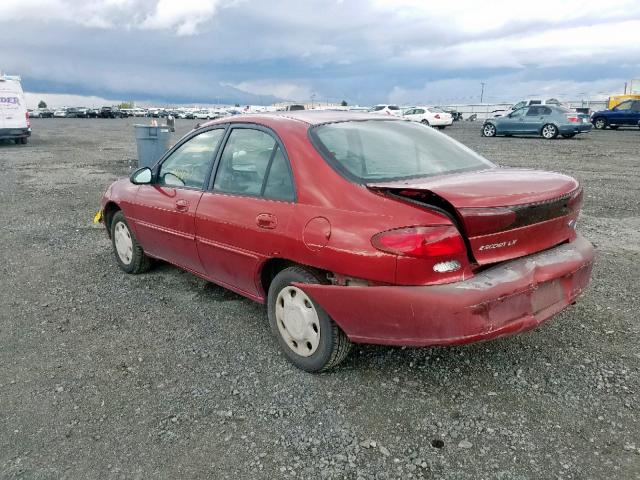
(362, 51)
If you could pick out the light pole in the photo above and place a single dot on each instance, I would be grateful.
(482, 91)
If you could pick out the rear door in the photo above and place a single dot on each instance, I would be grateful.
(13, 109)
(534, 119)
(164, 212)
(244, 218)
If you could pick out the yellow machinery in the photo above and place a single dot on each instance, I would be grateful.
(628, 94)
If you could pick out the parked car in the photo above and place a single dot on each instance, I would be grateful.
(14, 117)
(293, 108)
(386, 109)
(93, 113)
(304, 212)
(82, 112)
(626, 113)
(548, 121)
(433, 116)
(109, 112)
(60, 113)
(40, 113)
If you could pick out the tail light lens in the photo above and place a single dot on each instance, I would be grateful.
(421, 242)
(573, 118)
(437, 116)
(28, 121)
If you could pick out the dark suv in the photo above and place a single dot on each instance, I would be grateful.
(109, 112)
(626, 113)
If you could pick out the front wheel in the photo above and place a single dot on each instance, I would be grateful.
(129, 254)
(549, 131)
(489, 130)
(600, 123)
(305, 332)
(425, 122)
(24, 140)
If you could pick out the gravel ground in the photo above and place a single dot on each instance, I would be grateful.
(163, 375)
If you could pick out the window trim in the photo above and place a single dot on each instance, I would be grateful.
(155, 170)
(280, 145)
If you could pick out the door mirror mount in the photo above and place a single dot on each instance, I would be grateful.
(142, 176)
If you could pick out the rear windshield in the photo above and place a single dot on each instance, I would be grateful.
(387, 150)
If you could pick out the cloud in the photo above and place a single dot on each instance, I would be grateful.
(362, 51)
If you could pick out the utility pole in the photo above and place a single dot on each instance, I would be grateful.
(482, 91)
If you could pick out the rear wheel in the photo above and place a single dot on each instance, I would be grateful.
(23, 140)
(129, 254)
(568, 135)
(549, 131)
(489, 130)
(305, 332)
(600, 123)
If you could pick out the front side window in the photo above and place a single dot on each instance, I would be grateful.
(189, 164)
(518, 113)
(386, 150)
(252, 163)
(377, 108)
(624, 105)
(394, 107)
(411, 112)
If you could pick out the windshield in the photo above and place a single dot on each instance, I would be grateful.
(387, 150)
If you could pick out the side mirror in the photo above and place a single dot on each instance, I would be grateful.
(142, 176)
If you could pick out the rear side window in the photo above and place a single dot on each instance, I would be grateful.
(394, 107)
(279, 184)
(252, 163)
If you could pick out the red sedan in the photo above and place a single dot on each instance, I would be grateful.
(356, 228)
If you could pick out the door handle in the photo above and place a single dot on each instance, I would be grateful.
(182, 205)
(266, 220)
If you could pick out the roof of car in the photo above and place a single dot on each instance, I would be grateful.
(310, 117)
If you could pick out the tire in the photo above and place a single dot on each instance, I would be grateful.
(132, 259)
(549, 131)
(441, 127)
(600, 123)
(306, 334)
(425, 122)
(489, 130)
(24, 140)
(568, 135)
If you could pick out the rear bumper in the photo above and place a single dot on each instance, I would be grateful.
(14, 132)
(507, 299)
(579, 128)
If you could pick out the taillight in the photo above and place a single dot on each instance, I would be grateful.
(438, 116)
(437, 241)
(573, 118)
(28, 121)
(482, 221)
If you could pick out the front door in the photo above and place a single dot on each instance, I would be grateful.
(164, 212)
(514, 122)
(245, 218)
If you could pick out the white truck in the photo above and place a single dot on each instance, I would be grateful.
(14, 118)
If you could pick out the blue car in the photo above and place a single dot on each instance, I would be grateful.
(626, 113)
(548, 121)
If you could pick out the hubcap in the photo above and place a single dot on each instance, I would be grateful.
(298, 321)
(488, 130)
(548, 131)
(600, 124)
(124, 243)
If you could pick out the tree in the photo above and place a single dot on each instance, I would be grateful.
(343, 103)
(237, 105)
(42, 104)
(126, 105)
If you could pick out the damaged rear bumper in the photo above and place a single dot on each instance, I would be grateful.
(507, 299)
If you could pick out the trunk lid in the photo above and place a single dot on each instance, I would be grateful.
(503, 213)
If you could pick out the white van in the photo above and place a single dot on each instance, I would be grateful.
(14, 118)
